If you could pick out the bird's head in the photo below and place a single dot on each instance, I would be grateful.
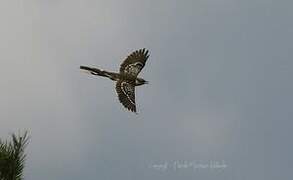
(140, 81)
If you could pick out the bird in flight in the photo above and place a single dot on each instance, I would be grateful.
(126, 79)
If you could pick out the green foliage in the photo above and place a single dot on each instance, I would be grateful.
(12, 157)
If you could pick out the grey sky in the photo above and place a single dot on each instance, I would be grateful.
(220, 89)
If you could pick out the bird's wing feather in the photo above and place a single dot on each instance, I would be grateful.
(135, 62)
(126, 94)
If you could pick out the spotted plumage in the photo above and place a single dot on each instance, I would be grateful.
(126, 79)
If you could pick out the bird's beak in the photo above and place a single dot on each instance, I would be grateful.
(146, 82)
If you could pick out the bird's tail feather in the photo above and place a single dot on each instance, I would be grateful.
(93, 71)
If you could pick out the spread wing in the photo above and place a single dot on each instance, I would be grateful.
(126, 94)
(134, 63)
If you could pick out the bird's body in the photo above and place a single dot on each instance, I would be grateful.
(126, 79)
(115, 76)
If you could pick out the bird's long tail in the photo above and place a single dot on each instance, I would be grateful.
(99, 72)
(94, 71)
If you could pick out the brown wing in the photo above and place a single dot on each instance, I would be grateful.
(134, 63)
(126, 94)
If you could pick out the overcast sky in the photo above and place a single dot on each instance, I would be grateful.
(220, 89)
